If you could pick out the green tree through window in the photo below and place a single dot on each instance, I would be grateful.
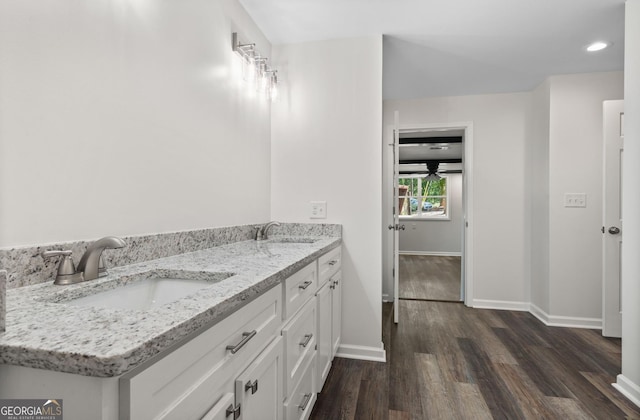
(422, 198)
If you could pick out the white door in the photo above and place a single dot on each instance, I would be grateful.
(613, 138)
(396, 213)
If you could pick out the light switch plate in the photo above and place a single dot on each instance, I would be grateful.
(318, 210)
(575, 200)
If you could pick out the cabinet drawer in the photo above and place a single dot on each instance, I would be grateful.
(182, 384)
(301, 401)
(299, 344)
(329, 264)
(298, 289)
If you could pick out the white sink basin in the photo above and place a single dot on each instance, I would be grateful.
(150, 290)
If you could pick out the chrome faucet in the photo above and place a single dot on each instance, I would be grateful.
(262, 234)
(90, 263)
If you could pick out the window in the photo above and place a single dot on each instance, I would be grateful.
(423, 199)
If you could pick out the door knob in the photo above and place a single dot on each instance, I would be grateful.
(401, 227)
(614, 230)
(390, 227)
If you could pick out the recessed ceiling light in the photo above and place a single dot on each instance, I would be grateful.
(597, 46)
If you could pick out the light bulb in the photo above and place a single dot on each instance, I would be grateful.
(597, 46)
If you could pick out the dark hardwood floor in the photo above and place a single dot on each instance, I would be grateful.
(429, 277)
(447, 361)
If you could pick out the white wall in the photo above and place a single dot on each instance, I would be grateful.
(499, 138)
(629, 380)
(121, 117)
(575, 165)
(539, 204)
(424, 236)
(326, 130)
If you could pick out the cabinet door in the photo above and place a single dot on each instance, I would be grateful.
(336, 313)
(325, 343)
(223, 409)
(259, 387)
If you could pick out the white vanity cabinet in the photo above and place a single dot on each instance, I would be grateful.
(265, 361)
(329, 307)
(197, 378)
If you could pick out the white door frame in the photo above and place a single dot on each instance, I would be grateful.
(467, 194)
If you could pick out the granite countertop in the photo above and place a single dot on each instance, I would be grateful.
(44, 332)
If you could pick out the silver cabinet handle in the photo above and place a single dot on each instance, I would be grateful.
(305, 341)
(305, 284)
(391, 227)
(253, 386)
(305, 402)
(246, 337)
(233, 410)
(614, 230)
(333, 262)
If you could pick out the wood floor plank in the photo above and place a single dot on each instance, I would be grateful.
(341, 391)
(399, 415)
(470, 403)
(547, 380)
(373, 400)
(494, 390)
(478, 329)
(566, 408)
(529, 398)
(437, 400)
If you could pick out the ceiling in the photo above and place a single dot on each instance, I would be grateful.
(458, 47)
(443, 146)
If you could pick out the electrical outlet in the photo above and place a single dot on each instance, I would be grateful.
(318, 210)
(575, 200)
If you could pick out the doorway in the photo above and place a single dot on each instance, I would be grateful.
(430, 175)
(417, 205)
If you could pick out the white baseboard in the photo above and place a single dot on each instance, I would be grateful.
(628, 389)
(435, 254)
(539, 313)
(565, 321)
(500, 304)
(373, 354)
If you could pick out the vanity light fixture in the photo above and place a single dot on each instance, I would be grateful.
(597, 46)
(255, 69)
